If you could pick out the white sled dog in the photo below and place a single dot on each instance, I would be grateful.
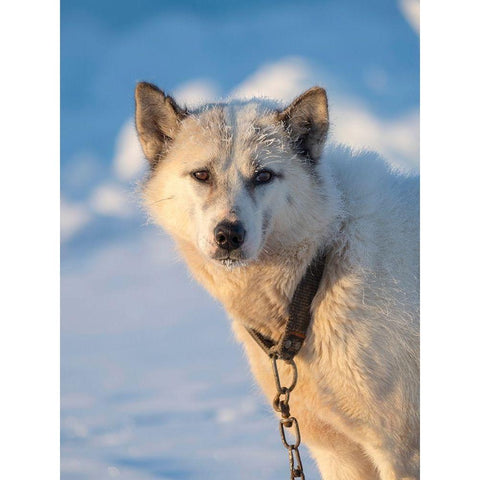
(250, 194)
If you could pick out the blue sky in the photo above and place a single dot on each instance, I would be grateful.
(132, 408)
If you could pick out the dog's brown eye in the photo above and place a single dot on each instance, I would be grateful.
(201, 175)
(263, 177)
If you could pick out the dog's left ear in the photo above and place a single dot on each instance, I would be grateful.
(306, 121)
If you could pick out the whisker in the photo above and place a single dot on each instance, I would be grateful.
(161, 200)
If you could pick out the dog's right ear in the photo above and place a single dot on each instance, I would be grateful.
(157, 118)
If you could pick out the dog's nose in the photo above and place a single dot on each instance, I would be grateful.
(229, 236)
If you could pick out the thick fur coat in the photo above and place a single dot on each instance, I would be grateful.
(266, 170)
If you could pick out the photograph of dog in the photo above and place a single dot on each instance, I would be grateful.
(252, 192)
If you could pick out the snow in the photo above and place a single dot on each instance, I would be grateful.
(195, 93)
(411, 11)
(111, 199)
(128, 162)
(73, 217)
(282, 80)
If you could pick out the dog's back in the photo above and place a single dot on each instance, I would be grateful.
(381, 223)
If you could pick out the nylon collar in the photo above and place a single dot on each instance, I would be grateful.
(299, 316)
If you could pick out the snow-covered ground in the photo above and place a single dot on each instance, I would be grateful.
(153, 385)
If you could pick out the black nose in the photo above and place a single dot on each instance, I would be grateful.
(229, 236)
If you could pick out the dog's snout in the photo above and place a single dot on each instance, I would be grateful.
(229, 236)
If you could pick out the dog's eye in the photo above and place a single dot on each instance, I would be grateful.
(263, 176)
(201, 175)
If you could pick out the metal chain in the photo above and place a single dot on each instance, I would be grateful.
(280, 405)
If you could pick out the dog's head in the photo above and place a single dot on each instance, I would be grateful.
(225, 177)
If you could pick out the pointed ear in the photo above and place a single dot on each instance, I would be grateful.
(157, 119)
(306, 120)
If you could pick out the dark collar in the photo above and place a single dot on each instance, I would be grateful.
(299, 315)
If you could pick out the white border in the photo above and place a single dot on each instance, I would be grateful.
(29, 200)
(450, 360)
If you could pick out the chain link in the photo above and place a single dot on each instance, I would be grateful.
(281, 405)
